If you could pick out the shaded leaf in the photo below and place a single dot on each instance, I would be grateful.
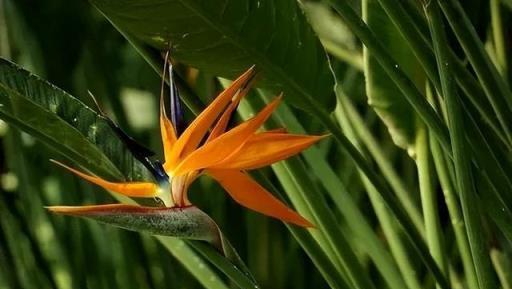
(383, 95)
(65, 124)
(227, 37)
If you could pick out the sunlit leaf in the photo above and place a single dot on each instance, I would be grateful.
(65, 124)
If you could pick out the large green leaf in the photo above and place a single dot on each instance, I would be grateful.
(383, 95)
(226, 37)
(65, 124)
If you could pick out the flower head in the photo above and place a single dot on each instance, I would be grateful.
(206, 146)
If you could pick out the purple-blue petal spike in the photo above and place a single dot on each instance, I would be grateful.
(139, 151)
(175, 103)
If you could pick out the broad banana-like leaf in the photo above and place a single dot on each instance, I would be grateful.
(383, 95)
(226, 37)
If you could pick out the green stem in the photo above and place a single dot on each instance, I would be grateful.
(450, 198)
(305, 239)
(391, 231)
(498, 37)
(329, 225)
(416, 33)
(195, 265)
(401, 215)
(413, 95)
(495, 87)
(433, 228)
(403, 193)
(295, 194)
(211, 254)
(5, 50)
(318, 257)
(476, 95)
(344, 201)
(502, 265)
(462, 157)
(494, 174)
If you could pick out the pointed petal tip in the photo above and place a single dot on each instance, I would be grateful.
(248, 193)
(276, 101)
(251, 70)
(130, 189)
(56, 162)
(322, 136)
(316, 138)
(248, 77)
(64, 210)
(89, 210)
(305, 224)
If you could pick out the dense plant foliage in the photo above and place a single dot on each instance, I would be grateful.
(410, 189)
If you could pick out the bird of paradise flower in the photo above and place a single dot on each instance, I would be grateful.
(206, 146)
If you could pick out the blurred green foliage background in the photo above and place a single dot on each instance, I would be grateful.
(72, 45)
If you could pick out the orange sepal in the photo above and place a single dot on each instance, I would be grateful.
(267, 148)
(167, 131)
(222, 123)
(195, 132)
(97, 209)
(248, 193)
(130, 189)
(226, 144)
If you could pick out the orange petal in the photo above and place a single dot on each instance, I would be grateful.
(222, 123)
(248, 193)
(130, 189)
(96, 209)
(264, 149)
(167, 131)
(196, 131)
(226, 144)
